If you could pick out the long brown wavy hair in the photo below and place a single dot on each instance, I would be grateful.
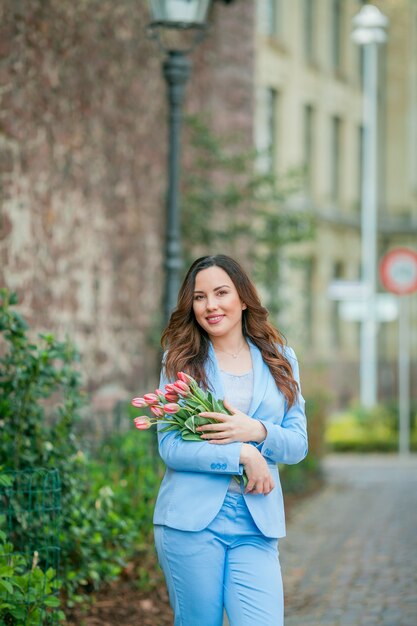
(187, 342)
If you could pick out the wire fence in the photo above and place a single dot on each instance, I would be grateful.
(30, 514)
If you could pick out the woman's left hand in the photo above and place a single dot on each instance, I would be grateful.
(229, 428)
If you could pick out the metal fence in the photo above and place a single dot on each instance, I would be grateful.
(30, 513)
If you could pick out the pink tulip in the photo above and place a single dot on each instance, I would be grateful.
(171, 408)
(182, 388)
(159, 392)
(170, 388)
(138, 402)
(185, 378)
(172, 397)
(157, 411)
(142, 422)
(151, 398)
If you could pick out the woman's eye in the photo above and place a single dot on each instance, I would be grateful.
(222, 293)
(198, 297)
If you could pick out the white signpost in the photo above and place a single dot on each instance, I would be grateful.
(398, 272)
(357, 310)
(355, 299)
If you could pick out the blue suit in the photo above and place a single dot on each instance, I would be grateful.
(194, 497)
(198, 474)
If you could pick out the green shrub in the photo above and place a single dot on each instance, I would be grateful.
(365, 430)
(40, 402)
(27, 594)
(130, 465)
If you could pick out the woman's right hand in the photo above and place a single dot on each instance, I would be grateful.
(257, 471)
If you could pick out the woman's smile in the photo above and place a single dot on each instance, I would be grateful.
(214, 319)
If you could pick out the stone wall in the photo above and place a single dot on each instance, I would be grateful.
(83, 167)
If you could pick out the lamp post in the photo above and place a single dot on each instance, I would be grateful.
(370, 32)
(184, 16)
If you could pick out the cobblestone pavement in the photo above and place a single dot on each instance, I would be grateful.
(350, 557)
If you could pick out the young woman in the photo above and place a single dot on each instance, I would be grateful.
(217, 542)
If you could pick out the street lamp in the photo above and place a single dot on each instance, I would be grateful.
(369, 31)
(184, 16)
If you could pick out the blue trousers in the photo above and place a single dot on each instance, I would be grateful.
(230, 564)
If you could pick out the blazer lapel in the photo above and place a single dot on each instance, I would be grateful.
(213, 375)
(261, 375)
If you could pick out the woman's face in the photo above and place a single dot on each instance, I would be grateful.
(216, 303)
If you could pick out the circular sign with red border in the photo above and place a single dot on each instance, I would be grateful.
(398, 271)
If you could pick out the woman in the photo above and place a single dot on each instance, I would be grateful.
(217, 541)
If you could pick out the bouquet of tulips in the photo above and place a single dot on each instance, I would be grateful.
(178, 407)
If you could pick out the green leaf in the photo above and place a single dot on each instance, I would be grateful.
(6, 571)
(196, 420)
(169, 427)
(52, 601)
(188, 436)
(6, 585)
(195, 404)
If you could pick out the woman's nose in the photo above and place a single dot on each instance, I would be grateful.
(211, 304)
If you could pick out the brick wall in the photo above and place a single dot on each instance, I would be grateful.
(83, 173)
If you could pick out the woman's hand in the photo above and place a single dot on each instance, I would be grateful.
(257, 471)
(229, 428)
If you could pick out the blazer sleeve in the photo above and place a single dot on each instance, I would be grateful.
(193, 456)
(287, 442)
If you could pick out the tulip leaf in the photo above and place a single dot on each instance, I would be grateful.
(195, 420)
(189, 436)
(194, 403)
(220, 408)
(169, 427)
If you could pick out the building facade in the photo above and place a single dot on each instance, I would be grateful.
(309, 117)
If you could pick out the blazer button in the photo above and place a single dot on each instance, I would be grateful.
(224, 466)
(213, 466)
(218, 466)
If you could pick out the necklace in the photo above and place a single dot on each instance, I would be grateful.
(234, 355)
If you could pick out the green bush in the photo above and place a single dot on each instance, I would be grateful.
(27, 594)
(365, 430)
(128, 466)
(40, 402)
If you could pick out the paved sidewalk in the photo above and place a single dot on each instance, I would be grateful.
(350, 557)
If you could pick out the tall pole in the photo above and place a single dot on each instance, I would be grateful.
(176, 70)
(369, 357)
(369, 32)
(404, 376)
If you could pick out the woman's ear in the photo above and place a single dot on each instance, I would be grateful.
(244, 306)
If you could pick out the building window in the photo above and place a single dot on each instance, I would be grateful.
(309, 303)
(336, 30)
(270, 17)
(338, 274)
(335, 157)
(309, 10)
(267, 128)
(360, 163)
(308, 146)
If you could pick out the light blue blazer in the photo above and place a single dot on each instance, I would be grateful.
(198, 474)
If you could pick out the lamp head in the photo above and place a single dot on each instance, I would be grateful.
(179, 13)
(370, 26)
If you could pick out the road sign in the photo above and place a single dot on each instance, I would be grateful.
(347, 290)
(357, 310)
(398, 271)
